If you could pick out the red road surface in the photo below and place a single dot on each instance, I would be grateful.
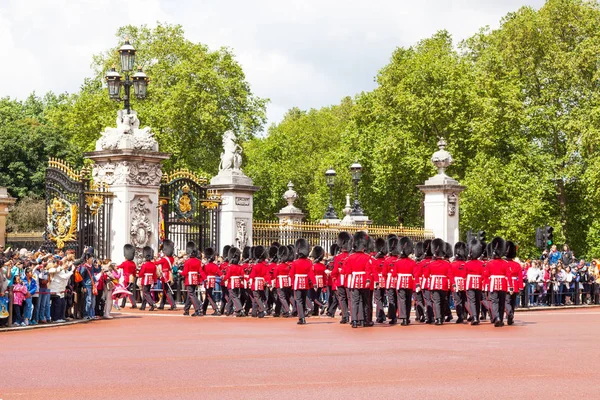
(550, 354)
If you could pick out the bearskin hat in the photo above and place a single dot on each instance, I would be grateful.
(511, 250)
(275, 244)
(234, 255)
(333, 249)
(302, 248)
(487, 253)
(448, 250)
(273, 253)
(360, 241)
(393, 245)
(226, 252)
(343, 240)
(209, 253)
(168, 248)
(291, 252)
(148, 253)
(476, 248)
(370, 245)
(282, 254)
(246, 253)
(190, 249)
(498, 247)
(419, 250)
(317, 253)
(406, 247)
(260, 253)
(438, 248)
(381, 247)
(129, 252)
(427, 250)
(460, 251)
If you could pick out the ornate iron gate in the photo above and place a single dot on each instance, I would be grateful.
(189, 210)
(77, 210)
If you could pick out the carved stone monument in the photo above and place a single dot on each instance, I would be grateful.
(5, 202)
(237, 190)
(290, 214)
(442, 198)
(128, 161)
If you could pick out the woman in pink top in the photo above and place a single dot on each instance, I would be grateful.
(19, 293)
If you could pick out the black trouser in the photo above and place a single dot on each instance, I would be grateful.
(343, 300)
(166, 295)
(498, 300)
(368, 307)
(131, 297)
(510, 304)
(191, 299)
(235, 298)
(419, 305)
(259, 301)
(332, 301)
(460, 301)
(209, 298)
(392, 298)
(56, 307)
(378, 295)
(485, 304)
(248, 300)
(146, 297)
(300, 296)
(404, 303)
(429, 305)
(225, 299)
(315, 295)
(438, 298)
(360, 298)
(284, 298)
(474, 296)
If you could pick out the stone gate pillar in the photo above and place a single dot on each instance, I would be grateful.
(128, 161)
(5, 202)
(442, 198)
(237, 191)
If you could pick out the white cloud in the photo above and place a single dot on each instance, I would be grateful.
(305, 53)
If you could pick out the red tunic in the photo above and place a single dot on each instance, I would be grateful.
(377, 270)
(338, 266)
(458, 275)
(224, 266)
(258, 275)
(192, 272)
(211, 271)
(389, 272)
(436, 273)
(359, 268)
(515, 275)
(474, 270)
(497, 271)
(301, 273)
(419, 273)
(281, 275)
(128, 268)
(319, 271)
(404, 269)
(148, 273)
(234, 276)
(165, 263)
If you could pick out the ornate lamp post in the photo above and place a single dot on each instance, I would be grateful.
(356, 171)
(139, 80)
(330, 178)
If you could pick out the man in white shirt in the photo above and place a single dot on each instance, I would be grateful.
(534, 276)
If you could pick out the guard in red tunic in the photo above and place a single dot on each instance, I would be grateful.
(515, 281)
(420, 308)
(234, 278)
(226, 301)
(301, 274)
(165, 265)
(378, 282)
(497, 271)
(212, 272)
(360, 268)
(148, 276)
(391, 277)
(339, 274)
(437, 273)
(458, 278)
(332, 300)
(474, 280)
(246, 263)
(194, 276)
(448, 254)
(272, 298)
(404, 269)
(128, 270)
(426, 281)
(281, 276)
(258, 278)
(317, 255)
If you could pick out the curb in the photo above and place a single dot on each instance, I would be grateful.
(44, 326)
(555, 308)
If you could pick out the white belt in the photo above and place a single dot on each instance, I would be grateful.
(473, 276)
(493, 277)
(399, 275)
(190, 275)
(259, 278)
(359, 273)
(211, 277)
(438, 276)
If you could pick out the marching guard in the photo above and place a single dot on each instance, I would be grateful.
(257, 278)
(166, 268)
(339, 273)
(193, 274)
(211, 272)
(317, 255)
(474, 270)
(404, 269)
(515, 281)
(391, 278)
(332, 299)
(128, 269)
(437, 273)
(301, 273)
(282, 281)
(359, 266)
(458, 277)
(148, 276)
(379, 289)
(226, 301)
(235, 274)
(497, 271)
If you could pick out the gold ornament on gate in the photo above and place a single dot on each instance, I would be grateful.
(185, 202)
(61, 221)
